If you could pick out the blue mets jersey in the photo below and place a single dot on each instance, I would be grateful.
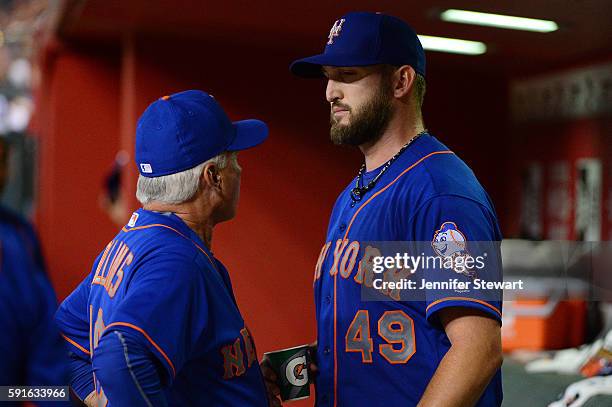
(156, 279)
(31, 348)
(386, 352)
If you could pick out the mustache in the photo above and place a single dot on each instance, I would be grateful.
(340, 105)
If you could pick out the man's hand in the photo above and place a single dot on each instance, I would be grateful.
(91, 400)
(271, 381)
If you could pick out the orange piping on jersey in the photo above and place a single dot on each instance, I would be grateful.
(91, 327)
(76, 345)
(174, 230)
(149, 339)
(335, 347)
(486, 304)
(391, 183)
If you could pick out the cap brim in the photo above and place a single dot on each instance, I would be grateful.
(249, 133)
(311, 67)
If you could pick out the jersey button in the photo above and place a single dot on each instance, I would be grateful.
(342, 227)
(326, 350)
(328, 299)
(324, 398)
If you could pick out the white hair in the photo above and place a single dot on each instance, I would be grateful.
(175, 188)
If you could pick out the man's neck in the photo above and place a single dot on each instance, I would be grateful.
(393, 139)
(197, 221)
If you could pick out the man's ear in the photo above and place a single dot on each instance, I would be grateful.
(405, 76)
(211, 176)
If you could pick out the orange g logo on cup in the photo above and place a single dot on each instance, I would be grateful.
(296, 371)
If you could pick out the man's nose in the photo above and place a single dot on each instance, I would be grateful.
(333, 92)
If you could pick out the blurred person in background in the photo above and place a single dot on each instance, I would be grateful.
(110, 199)
(32, 352)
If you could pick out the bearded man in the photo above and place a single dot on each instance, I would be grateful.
(443, 350)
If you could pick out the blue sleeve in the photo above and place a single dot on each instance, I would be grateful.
(30, 343)
(126, 371)
(81, 376)
(455, 227)
(47, 364)
(72, 318)
(165, 304)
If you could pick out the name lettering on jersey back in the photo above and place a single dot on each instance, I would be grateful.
(109, 273)
(345, 258)
(234, 357)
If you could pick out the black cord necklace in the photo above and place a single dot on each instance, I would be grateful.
(358, 192)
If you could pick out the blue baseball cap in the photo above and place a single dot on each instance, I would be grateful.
(363, 38)
(181, 131)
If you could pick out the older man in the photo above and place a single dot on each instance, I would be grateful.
(156, 322)
(443, 349)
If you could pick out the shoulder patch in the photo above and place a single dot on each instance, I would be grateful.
(450, 242)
